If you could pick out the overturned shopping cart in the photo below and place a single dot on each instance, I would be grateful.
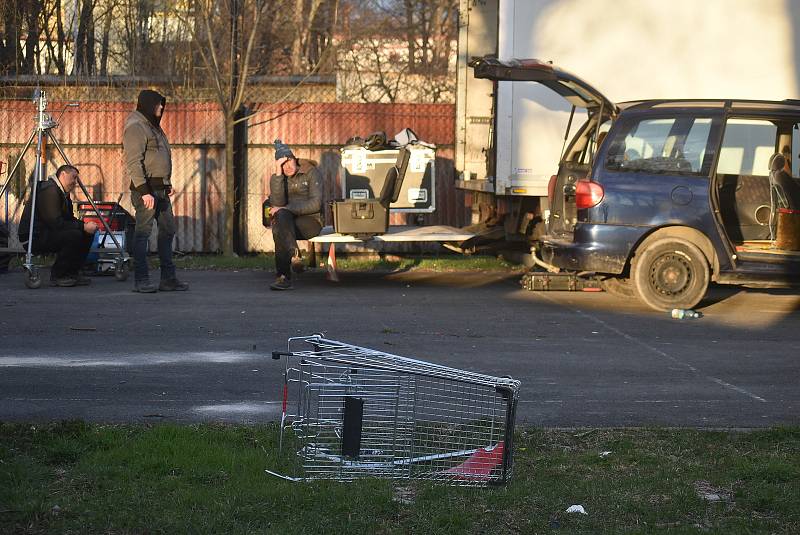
(355, 412)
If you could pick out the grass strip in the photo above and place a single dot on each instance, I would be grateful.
(74, 477)
(266, 261)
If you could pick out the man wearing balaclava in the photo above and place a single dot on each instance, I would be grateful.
(295, 193)
(148, 162)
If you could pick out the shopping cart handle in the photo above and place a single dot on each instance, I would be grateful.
(276, 355)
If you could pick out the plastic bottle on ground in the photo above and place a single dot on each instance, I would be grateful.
(682, 313)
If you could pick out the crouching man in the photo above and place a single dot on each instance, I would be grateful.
(295, 211)
(57, 230)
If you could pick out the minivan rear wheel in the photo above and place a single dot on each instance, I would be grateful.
(670, 273)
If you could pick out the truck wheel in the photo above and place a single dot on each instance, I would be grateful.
(618, 286)
(670, 273)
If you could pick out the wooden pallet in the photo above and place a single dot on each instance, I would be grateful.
(764, 247)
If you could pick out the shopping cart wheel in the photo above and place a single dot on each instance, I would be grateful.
(121, 270)
(33, 279)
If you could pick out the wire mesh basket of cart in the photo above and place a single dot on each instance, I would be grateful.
(352, 412)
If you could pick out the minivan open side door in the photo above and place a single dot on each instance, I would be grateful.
(563, 211)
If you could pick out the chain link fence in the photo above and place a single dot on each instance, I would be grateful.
(91, 135)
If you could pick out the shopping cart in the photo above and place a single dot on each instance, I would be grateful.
(356, 412)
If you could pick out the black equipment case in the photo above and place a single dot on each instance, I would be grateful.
(540, 281)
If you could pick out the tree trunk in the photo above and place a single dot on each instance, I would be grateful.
(297, 42)
(425, 29)
(230, 199)
(90, 39)
(411, 35)
(105, 41)
(53, 45)
(6, 40)
(84, 45)
(32, 40)
(60, 65)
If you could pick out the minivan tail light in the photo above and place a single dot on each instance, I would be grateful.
(551, 188)
(588, 194)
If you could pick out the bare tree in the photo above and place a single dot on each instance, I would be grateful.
(9, 37)
(20, 22)
(431, 30)
(54, 36)
(30, 64)
(143, 38)
(224, 33)
(105, 39)
(398, 50)
(84, 47)
(313, 24)
(136, 17)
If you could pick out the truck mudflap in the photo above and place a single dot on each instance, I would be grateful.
(540, 281)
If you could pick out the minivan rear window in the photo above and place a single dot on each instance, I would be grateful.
(668, 145)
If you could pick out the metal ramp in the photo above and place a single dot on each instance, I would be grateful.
(396, 234)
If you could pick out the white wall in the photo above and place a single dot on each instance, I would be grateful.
(636, 49)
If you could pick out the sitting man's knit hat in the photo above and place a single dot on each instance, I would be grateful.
(282, 150)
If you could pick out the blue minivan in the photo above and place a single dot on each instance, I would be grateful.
(661, 197)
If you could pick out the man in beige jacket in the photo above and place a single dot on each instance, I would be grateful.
(148, 162)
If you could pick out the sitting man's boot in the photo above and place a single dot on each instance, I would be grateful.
(144, 287)
(297, 263)
(172, 285)
(281, 283)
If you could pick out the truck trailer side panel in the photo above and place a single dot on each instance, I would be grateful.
(629, 49)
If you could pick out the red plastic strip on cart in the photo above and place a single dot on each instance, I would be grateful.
(285, 396)
(480, 464)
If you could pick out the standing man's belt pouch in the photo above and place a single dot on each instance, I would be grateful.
(157, 183)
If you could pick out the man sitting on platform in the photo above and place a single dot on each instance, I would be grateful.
(295, 211)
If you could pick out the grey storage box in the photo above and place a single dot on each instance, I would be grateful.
(364, 171)
(370, 216)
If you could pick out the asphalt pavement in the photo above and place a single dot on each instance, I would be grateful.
(105, 354)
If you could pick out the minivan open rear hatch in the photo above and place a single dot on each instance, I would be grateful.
(564, 186)
(573, 89)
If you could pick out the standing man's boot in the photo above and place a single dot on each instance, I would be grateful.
(144, 287)
(142, 282)
(169, 280)
(172, 285)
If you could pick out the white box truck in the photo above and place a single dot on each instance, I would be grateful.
(509, 135)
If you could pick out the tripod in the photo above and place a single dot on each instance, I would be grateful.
(41, 133)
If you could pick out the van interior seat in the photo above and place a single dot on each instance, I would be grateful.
(785, 189)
